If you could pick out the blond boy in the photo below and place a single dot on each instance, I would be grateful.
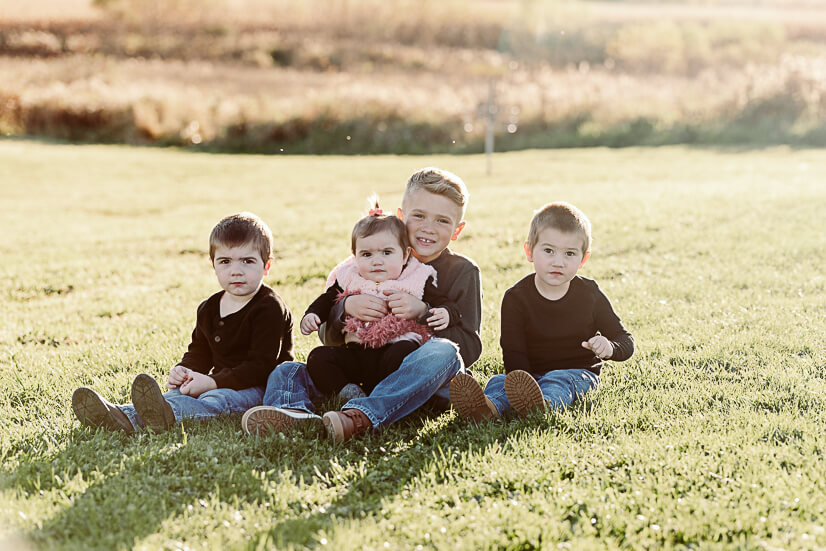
(433, 209)
(241, 333)
(557, 327)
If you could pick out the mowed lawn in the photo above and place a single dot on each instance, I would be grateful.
(712, 436)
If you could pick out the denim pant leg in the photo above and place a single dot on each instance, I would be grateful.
(206, 406)
(290, 386)
(560, 388)
(220, 401)
(495, 391)
(420, 375)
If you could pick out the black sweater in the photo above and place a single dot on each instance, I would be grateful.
(242, 348)
(541, 335)
(460, 291)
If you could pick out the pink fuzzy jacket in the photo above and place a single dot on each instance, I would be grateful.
(390, 328)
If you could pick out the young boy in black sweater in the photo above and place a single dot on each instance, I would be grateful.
(241, 333)
(557, 327)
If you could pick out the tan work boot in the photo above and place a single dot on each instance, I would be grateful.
(260, 420)
(154, 411)
(345, 424)
(524, 393)
(93, 411)
(469, 400)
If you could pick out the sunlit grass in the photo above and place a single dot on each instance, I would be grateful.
(712, 435)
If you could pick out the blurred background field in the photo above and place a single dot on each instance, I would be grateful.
(369, 76)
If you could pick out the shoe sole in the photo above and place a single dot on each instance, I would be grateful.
(154, 411)
(468, 398)
(524, 393)
(91, 410)
(262, 420)
(334, 427)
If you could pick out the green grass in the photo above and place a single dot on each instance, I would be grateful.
(712, 436)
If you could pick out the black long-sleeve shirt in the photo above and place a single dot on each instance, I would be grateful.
(460, 291)
(241, 349)
(541, 335)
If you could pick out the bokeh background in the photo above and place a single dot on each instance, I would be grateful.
(424, 76)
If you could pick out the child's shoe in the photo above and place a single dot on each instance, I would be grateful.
(345, 424)
(469, 400)
(351, 391)
(260, 420)
(93, 411)
(154, 411)
(524, 393)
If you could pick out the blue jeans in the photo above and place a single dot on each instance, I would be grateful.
(425, 372)
(559, 388)
(210, 404)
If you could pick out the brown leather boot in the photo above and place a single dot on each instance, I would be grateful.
(93, 411)
(345, 424)
(469, 400)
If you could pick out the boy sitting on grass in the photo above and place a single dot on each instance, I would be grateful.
(557, 327)
(432, 210)
(241, 333)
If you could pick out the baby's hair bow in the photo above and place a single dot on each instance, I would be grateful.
(374, 212)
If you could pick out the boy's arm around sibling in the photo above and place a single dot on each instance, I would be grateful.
(459, 284)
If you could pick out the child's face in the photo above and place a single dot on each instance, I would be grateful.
(432, 222)
(240, 270)
(380, 257)
(556, 258)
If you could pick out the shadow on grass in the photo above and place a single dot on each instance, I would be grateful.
(113, 490)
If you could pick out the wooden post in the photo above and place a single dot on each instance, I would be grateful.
(490, 123)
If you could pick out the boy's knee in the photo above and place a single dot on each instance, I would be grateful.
(282, 371)
(441, 349)
(216, 399)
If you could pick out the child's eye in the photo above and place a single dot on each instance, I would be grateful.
(548, 250)
(365, 254)
(444, 221)
(223, 261)
(570, 253)
(388, 252)
(419, 216)
(249, 261)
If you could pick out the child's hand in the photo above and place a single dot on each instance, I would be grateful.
(365, 307)
(198, 384)
(600, 346)
(404, 305)
(439, 319)
(178, 375)
(309, 323)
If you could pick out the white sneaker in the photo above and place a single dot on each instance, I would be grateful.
(260, 420)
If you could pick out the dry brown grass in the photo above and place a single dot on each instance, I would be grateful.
(212, 71)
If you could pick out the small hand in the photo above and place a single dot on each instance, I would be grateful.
(404, 305)
(178, 375)
(365, 307)
(600, 346)
(309, 323)
(199, 384)
(439, 319)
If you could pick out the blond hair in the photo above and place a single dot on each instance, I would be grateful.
(240, 229)
(563, 217)
(440, 182)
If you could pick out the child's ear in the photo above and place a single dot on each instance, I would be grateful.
(457, 231)
(585, 258)
(528, 252)
(267, 265)
(400, 214)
